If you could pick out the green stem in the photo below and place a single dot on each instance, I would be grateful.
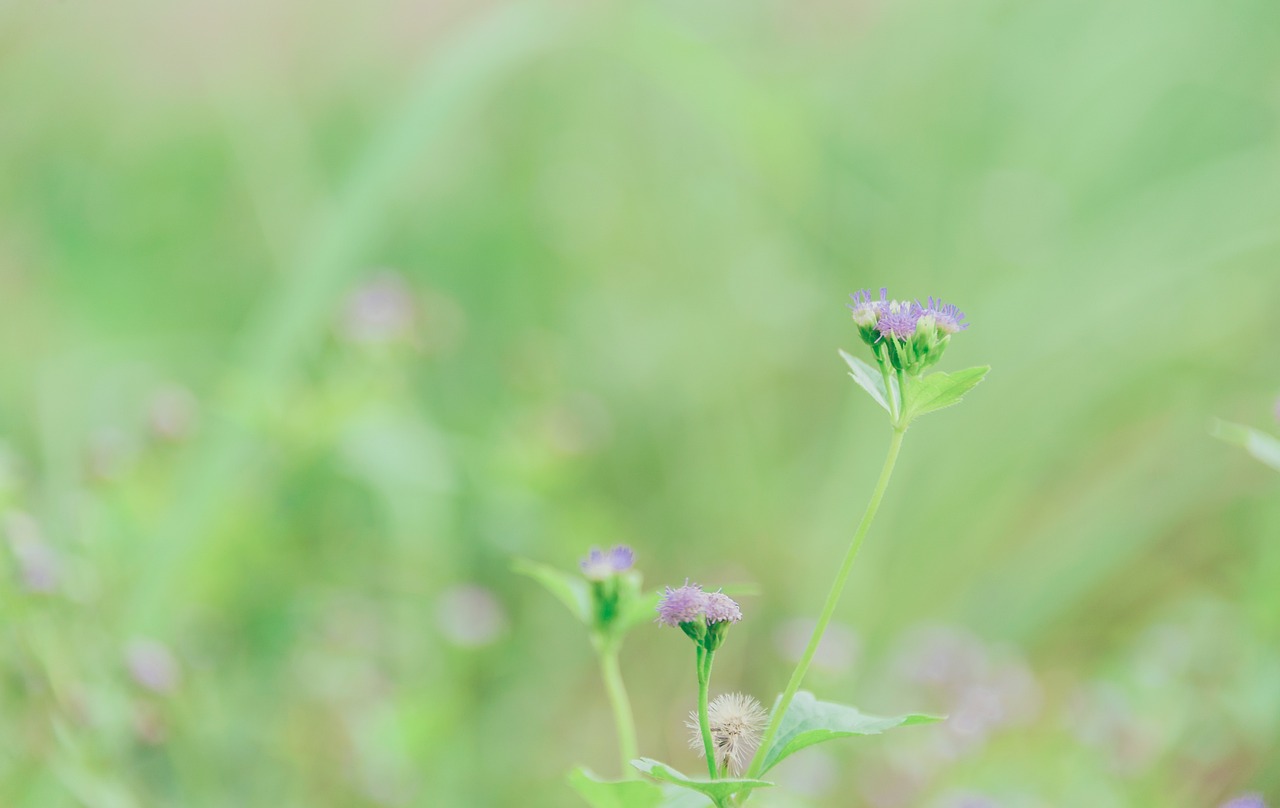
(882, 354)
(829, 608)
(622, 717)
(704, 723)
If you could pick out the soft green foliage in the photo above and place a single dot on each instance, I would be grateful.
(935, 391)
(809, 721)
(570, 589)
(1261, 445)
(870, 379)
(629, 230)
(717, 790)
(617, 794)
(600, 793)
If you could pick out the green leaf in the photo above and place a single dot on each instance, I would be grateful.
(869, 379)
(640, 609)
(938, 390)
(717, 790)
(1262, 446)
(809, 721)
(615, 794)
(571, 590)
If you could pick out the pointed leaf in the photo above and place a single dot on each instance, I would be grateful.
(1262, 446)
(717, 790)
(938, 390)
(869, 379)
(615, 794)
(809, 721)
(571, 590)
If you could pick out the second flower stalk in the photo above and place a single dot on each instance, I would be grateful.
(728, 730)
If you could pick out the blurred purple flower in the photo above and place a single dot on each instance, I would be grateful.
(1245, 801)
(470, 616)
(898, 319)
(599, 565)
(380, 311)
(720, 608)
(948, 318)
(683, 605)
(172, 413)
(152, 665)
(38, 563)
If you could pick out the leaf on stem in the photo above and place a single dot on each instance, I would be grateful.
(939, 390)
(571, 590)
(809, 721)
(1264, 447)
(614, 794)
(639, 609)
(717, 790)
(869, 379)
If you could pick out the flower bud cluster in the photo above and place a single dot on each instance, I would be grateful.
(704, 617)
(909, 335)
(613, 584)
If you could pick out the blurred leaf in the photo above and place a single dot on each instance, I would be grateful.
(939, 390)
(571, 590)
(614, 794)
(868, 378)
(1261, 445)
(640, 609)
(717, 790)
(809, 721)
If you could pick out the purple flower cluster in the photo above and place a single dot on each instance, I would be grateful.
(689, 603)
(901, 318)
(599, 565)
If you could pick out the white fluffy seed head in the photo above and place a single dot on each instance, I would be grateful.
(736, 722)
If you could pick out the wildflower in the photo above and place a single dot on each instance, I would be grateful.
(946, 316)
(681, 606)
(704, 616)
(736, 722)
(866, 312)
(599, 565)
(899, 320)
(720, 608)
(1245, 801)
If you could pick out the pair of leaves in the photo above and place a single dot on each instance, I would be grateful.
(809, 721)
(927, 394)
(575, 593)
(679, 792)
(1264, 447)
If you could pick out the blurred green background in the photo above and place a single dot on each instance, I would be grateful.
(317, 314)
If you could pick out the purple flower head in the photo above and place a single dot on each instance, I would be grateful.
(721, 608)
(683, 605)
(899, 320)
(1245, 801)
(599, 565)
(946, 316)
(866, 310)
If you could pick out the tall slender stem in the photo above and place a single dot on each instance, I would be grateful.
(622, 718)
(704, 722)
(829, 608)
